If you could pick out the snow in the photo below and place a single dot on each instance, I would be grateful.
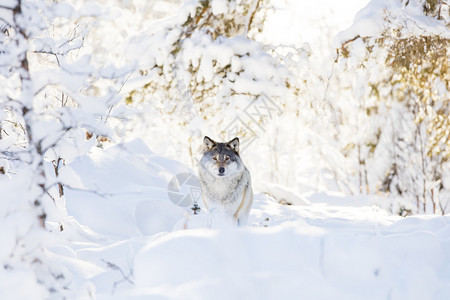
(219, 6)
(330, 245)
(91, 9)
(118, 232)
(317, 262)
(63, 10)
(13, 286)
(369, 21)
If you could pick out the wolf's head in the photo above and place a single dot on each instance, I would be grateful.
(221, 159)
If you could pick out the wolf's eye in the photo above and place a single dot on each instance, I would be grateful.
(215, 157)
(227, 158)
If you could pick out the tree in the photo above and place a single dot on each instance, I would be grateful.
(51, 111)
(405, 67)
(202, 72)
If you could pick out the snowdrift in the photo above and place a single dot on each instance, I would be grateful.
(334, 248)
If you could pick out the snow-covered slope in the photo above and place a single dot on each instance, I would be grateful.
(333, 247)
(122, 191)
(123, 228)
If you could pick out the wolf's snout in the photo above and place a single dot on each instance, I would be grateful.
(221, 170)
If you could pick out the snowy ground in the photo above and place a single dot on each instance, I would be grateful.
(132, 242)
(124, 238)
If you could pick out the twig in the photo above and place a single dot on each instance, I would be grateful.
(126, 278)
(252, 15)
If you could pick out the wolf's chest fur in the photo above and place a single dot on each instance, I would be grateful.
(226, 190)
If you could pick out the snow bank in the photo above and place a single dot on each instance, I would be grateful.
(125, 183)
(296, 260)
(329, 247)
(316, 251)
(370, 21)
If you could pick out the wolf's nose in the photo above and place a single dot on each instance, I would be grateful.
(221, 170)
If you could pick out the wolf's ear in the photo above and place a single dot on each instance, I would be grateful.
(208, 144)
(234, 144)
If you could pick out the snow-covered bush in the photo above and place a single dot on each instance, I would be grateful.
(401, 57)
(201, 72)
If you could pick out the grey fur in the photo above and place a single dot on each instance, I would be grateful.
(230, 192)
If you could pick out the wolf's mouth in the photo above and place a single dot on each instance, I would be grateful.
(221, 174)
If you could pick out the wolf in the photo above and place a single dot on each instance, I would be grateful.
(225, 180)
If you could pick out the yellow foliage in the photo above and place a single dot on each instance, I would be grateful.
(421, 78)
